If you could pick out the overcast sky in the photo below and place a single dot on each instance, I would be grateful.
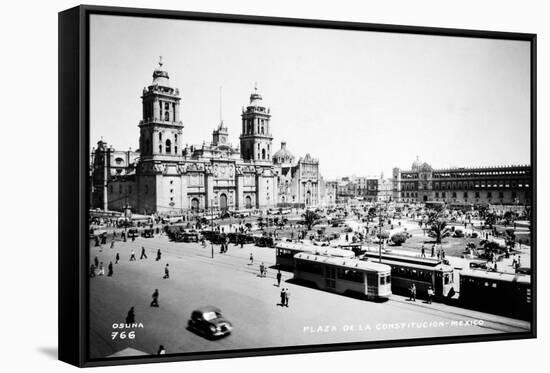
(361, 102)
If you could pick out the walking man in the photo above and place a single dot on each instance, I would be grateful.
(262, 269)
(166, 272)
(101, 271)
(158, 255)
(433, 250)
(131, 317)
(283, 297)
(430, 294)
(279, 278)
(251, 259)
(113, 243)
(117, 258)
(96, 262)
(413, 292)
(110, 269)
(143, 255)
(423, 252)
(133, 255)
(155, 301)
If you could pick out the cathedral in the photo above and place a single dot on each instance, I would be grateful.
(164, 176)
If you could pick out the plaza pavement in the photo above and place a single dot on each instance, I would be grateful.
(250, 303)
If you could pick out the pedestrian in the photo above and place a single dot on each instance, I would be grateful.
(112, 243)
(117, 258)
(131, 317)
(101, 270)
(519, 261)
(347, 238)
(155, 301)
(283, 297)
(442, 254)
(413, 292)
(110, 269)
(423, 252)
(143, 255)
(430, 294)
(251, 259)
(92, 270)
(158, 255)
(161, 350)
(96, 262)
(262, 268)
(287, 296)
(132, 255)
(433, 250)
(166, 272)
(279, 278)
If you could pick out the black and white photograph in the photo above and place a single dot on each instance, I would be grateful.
(258, 186)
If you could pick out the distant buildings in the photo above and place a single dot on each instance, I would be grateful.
(507, 185)
(369, 189)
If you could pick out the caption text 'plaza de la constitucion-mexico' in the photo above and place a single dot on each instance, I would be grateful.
(165, 175)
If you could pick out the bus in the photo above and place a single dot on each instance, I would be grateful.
(344, 275)
(507, 294)
(423, 272)
(285, 251)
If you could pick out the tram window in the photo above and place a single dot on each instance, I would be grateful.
(382, 281)
(388, 279)
(351, 275)
(494, 284)
(486, 284)
(446, 280)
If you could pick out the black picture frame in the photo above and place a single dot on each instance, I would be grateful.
(73, 166)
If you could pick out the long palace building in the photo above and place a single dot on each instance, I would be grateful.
(166, 176)
(507, 185)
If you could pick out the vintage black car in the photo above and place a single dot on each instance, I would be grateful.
(209, 322)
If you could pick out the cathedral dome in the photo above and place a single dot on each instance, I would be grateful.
(160, 76)
(283, 156)
(255, 97)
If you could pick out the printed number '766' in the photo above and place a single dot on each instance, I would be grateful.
(123, 335)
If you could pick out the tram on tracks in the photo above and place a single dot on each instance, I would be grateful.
(507, 294)
(423, 272)
(346, 276)
(285, 251)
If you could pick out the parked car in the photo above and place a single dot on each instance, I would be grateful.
(208, 321)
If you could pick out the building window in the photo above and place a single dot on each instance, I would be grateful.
(160, 136)
(489, 194)
(477, 194)
(168, 146)
(129, 189)
(436, 194)
(146, 189)
(263, 153)
(160, 149)
(500, 194)
(454, 194)
(443, 194)
(465, 194)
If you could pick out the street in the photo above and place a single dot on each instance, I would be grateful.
(250, 303)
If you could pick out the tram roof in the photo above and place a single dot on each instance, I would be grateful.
(500, 276)
(317, 250)
(402, 259)
(344, 262)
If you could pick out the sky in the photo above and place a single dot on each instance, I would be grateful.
(360, 102)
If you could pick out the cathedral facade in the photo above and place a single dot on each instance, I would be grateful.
(166, 176)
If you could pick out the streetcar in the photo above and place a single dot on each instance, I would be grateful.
(423, 272)
(285, 251)
(347, 276)
(507, 294)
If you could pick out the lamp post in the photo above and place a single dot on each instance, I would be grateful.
(212, 226)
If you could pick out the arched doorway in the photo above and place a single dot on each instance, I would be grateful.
(308, 198)
(248, 202)
(223, 202)
(194, 204)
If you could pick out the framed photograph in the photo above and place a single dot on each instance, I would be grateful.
(236, 186)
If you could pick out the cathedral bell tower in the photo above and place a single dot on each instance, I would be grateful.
(160, 127)
(256, 134)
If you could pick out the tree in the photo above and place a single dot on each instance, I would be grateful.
(311, 218)
(399, 238)
(439, 230)
(490, 219)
